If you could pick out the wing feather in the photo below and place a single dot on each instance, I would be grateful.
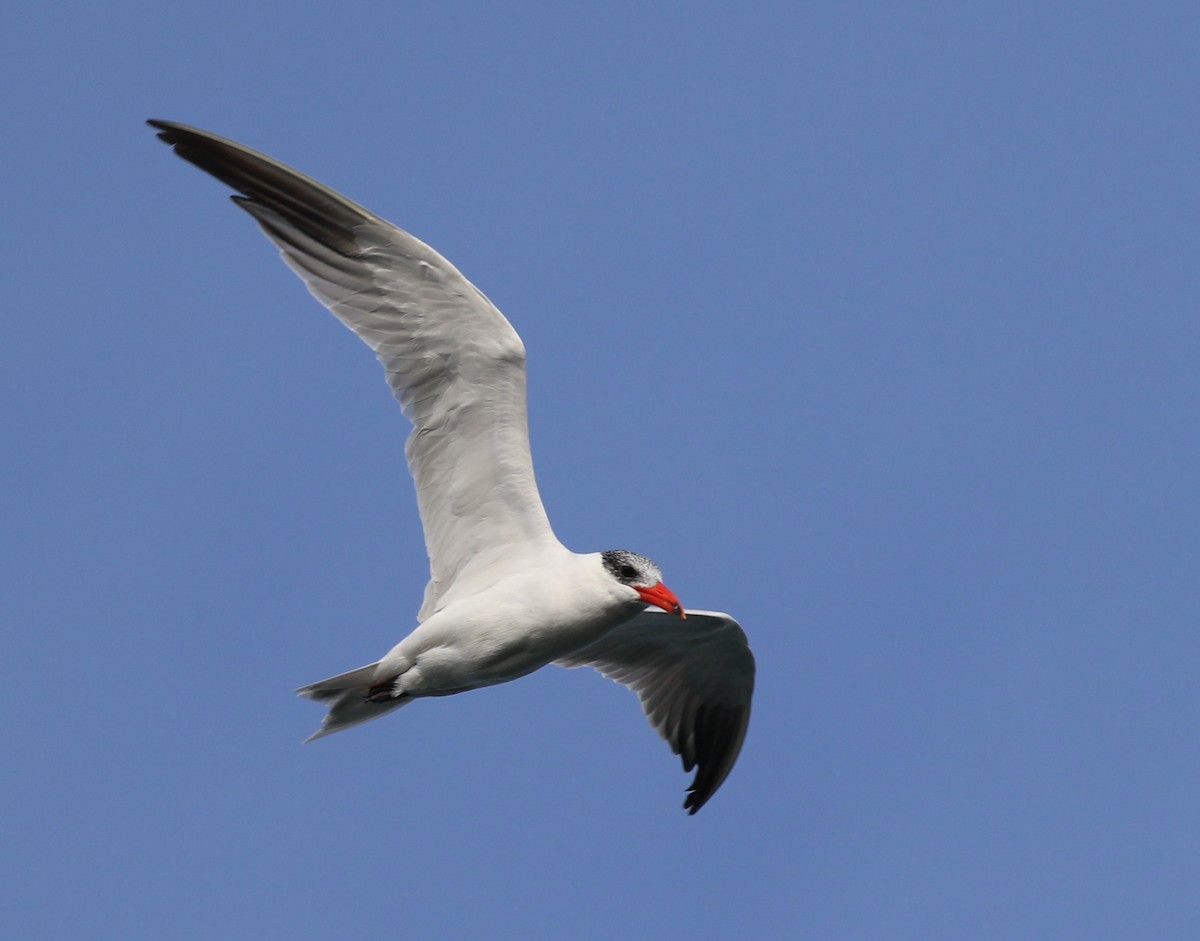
(453, 361)
(695, 679)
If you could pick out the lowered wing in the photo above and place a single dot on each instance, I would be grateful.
(694, 678)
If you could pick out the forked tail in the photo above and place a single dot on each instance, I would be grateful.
(353, 698)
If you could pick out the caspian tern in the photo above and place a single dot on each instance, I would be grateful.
(505, 597)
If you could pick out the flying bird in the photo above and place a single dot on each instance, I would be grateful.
(504, 596)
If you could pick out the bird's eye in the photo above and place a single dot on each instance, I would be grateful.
(628, 571)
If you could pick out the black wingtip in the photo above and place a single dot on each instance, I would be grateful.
(167, 130)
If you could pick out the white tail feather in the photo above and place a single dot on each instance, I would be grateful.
(348, 696)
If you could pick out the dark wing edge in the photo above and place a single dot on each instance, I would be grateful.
(694, 678)
(322, 214)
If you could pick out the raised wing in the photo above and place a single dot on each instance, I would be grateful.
(694, 678)
(456, 365)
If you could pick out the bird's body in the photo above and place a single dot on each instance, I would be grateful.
(505, 597)
(510, 629)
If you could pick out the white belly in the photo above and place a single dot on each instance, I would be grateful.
(501, 634)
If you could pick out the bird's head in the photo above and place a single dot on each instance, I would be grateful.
(643, 576)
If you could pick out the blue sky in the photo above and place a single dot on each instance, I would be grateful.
(874, 324)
